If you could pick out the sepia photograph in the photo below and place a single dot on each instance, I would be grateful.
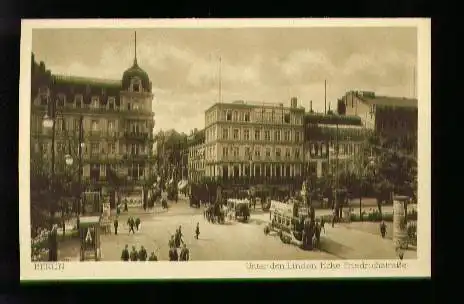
(286, 149)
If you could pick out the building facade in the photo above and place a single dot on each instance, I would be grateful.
(117, 123)
(196, 156)
(254, 141)
(388, 116)
(331, 142)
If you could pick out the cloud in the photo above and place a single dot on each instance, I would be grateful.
(271, 65)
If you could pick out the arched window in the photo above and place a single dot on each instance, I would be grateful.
(136, 85)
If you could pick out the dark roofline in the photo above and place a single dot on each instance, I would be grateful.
(86, 80)
(254, 105)
(321, 118)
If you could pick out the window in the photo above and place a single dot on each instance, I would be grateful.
(267, 135)
(257, 133)
(61, 99)
(246, 134)
(248, 153)
(277, 135)
(236, 151)
(136, 85)
(287, 153)
(268, 152)
(76, 124)
(95, 148)
(78, 100)
(297, 136)
(95, 103)
(134, 149)
(247, 117)
(128, 106)
(235, 133)
(94, 125)
(287, 135)
(112, 148)
(257, 152)
(297, 153)
(287, 118)
(229, 116)
(44, 148)
(110, 125)
(225, 152)
(225, 134)
(277, 152)
(111, 103)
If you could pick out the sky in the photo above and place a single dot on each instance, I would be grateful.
(257, 64)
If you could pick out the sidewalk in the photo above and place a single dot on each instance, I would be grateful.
(348, 243)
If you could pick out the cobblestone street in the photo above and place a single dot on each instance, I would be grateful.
(233, 240)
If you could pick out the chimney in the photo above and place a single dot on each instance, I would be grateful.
(311, 106)
(293, 102)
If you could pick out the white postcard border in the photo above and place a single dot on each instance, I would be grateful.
(421, 267)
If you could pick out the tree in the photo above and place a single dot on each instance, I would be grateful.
(392, 169)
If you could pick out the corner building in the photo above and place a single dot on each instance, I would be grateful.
(256, 142)
(117, 121)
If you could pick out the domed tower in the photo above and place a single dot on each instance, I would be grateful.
(138, 121)
(135, 79)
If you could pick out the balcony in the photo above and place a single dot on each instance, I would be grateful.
(140, 136)
(87, 109)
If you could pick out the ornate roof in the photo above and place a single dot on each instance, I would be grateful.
(136, 71)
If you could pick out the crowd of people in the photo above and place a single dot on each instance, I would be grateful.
(134, 255)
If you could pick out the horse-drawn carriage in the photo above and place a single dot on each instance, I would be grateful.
(240, 209)
(294, 225)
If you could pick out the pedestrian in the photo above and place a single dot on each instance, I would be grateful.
(323, 224)
(314, 242)
(197, 231)
(116, 224)
(153, 257)
(178, 238)
(334, 216)
(133, 254)
(383, 229)
(171, 242)
(131, 224)
(125, 254)
(318, 234)
(137, 223)
(142, 254)
(184, 253)
(173, 256)
(118, 209)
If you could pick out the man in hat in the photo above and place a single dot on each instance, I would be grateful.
(184, 253)
(125, 254)
(116, 224)
(197, 231)
(173, 256)
(383, 229)
(137, 223)
(133, 254)
(142, 254)
(153, 257)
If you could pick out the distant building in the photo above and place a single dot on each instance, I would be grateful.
(331, 139)
(117, 118)
(388, 116)
(196, 156)
(259, 142)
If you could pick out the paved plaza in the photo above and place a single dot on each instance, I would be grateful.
(233, 240)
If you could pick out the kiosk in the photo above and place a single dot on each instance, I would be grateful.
(90, 227)
(89, 231)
